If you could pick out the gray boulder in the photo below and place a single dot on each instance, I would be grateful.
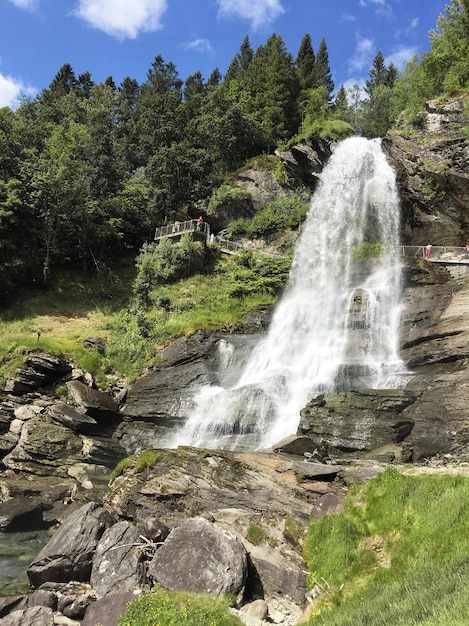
(69, 554)
(108, 610)
(34, 616)
(117, 564)
(201, 557)
(358, 421)
(95, 403)
(72, 418)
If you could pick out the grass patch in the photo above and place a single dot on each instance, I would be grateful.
(391, 555)
(74, 308)
(138, 462)
(255, 534)
(165, 608)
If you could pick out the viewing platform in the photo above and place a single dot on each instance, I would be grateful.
(201, 231)
(446, 255)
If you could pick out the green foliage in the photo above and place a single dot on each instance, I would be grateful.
(432, 189)
(281, 174)
(441, 72)
(277, 216)
(255, 534)
(366, 250)
(127, 349)
(167, 261)
(227, 196)
(267, 275)
(138, 462)
(388, 540)
(164, 608)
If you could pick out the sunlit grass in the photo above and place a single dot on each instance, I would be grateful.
(165, 608)
(384, 558)
(58, 320)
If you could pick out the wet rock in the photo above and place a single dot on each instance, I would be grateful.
(200, 557)
(165, 393)
(72, 418)
(23, 513)
(357, 421)
(63, 560)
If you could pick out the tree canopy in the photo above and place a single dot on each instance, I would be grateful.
(87, 170)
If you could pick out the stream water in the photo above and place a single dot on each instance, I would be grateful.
(336, 326)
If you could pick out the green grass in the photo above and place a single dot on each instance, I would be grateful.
(398, 552)
(75, 307)
(165, 608)
(138, 462)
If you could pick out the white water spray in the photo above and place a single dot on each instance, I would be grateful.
(336, 326)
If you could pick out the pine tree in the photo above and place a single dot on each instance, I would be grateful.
(306, 64)
(378, 74)
(323, 70)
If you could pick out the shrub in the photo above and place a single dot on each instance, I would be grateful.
(165, 608)
(255, 534)
(277, 216)
(366, 250)
(227, 195)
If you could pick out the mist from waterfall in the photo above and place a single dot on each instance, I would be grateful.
(336, 326)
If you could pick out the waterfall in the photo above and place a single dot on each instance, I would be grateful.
(336, 326)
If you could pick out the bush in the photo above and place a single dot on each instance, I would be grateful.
(165, 608)
(277, 216)
(227, 195)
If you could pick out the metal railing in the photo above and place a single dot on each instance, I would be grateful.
(437, 253)
(182, 227)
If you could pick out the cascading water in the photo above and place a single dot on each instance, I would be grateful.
(336, 326)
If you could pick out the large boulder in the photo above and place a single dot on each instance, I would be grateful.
(117, 563)
(69, 554)
(201, 557)
(357, 421)
(95, 403)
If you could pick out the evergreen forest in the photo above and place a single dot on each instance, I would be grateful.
(88, 170)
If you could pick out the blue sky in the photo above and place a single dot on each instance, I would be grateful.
(121, 38)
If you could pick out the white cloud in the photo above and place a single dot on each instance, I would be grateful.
(11, 91)
(198, 45)
(123, 18)
(382, 6)
(401, 56)
(348, 17)
(362, 56)
(28, 5)
(258, 12)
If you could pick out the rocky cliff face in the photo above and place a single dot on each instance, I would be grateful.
(432, 166)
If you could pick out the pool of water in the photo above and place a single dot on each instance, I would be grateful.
(17, 550)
